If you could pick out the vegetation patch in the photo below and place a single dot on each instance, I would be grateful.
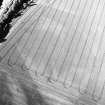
(14, 9)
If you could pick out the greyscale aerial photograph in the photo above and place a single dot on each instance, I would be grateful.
(52, 52)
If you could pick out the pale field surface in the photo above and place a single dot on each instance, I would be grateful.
(61, 44)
